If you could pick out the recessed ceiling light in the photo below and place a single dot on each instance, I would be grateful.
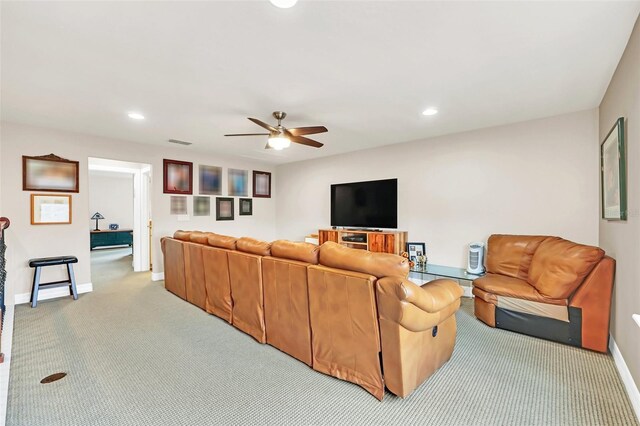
(430, 111)
(284, 4)
(136, 116)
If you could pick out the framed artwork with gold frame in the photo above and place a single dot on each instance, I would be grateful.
(50, 209)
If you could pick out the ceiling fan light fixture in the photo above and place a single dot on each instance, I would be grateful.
(279, 142)
(283, 4)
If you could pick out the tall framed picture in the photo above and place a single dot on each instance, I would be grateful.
(238, 183)
(210, 179)
(224, 208)
(261, 184)
(246, 207)
(177, 177)
(49, 173)
(613, 173)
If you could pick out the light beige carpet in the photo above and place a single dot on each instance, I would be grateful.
(137, 355)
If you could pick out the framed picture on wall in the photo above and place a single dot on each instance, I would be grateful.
(261, 184)
(238, 182)
(177, 177)
(210, 179)
(224, 208)
(201, 206)
(50, 209)
(246, 207)
(178, 205)
(613, 173)
(49, 173)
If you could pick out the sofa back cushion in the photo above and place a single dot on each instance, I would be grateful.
(379, 265)
(199, 237)
(511, 255)
(182, 235)
(250, 245)
(559, 266)
(303, 252)
(222, 241)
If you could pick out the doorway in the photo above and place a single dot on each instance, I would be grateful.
(119, 202)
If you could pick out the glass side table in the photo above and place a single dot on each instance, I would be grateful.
(430, 272)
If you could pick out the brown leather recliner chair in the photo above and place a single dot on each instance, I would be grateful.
(245, 277)
(418, 329)
(346, 338)
(286, 298)
(547, 287)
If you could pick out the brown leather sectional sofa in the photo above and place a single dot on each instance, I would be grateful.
(547, 287)
(344, 312)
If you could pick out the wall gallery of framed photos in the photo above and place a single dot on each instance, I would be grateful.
(178, 181)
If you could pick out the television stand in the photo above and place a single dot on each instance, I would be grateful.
(366, 239)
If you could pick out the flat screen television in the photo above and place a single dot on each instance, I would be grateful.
(372, 204)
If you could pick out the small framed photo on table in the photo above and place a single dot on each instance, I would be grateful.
(416, 251)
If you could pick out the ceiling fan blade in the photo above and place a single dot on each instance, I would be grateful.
(248, 134)
(263, 124)
(305, 141)
(311, 130)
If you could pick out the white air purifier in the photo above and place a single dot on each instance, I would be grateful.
(475, 263)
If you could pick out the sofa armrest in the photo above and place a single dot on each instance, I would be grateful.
(417, 308)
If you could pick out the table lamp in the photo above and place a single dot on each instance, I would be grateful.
(97, 216)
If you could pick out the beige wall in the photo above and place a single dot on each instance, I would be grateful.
(536, 177)
(111, 194)
(27, 241)
(622, 239)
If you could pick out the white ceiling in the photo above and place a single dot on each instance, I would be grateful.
(365, 70)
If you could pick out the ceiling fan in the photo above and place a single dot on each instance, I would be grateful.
(280, 137)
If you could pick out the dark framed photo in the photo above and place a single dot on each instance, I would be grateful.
(224, 208)
(261, 184)
(246, 207)
(201, 206)
(177, 177)
(210, 180)
(613, 173)
(49, 173)
(416, 251)
(238, 182)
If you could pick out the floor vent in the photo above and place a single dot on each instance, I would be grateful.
(52, 378)
(179, 142)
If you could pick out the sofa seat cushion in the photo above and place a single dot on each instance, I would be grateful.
(502, 285)
(559, 266)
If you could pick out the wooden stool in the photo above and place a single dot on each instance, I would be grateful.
(52, 261)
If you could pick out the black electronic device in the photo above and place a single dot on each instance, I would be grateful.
(360, 238)
(370, 204)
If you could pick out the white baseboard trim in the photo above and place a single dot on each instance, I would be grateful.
(52, 293)
(629, 385)
(7, 340)
(157, 276)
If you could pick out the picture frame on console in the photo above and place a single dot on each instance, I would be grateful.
(416, 251)
(613, 176)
